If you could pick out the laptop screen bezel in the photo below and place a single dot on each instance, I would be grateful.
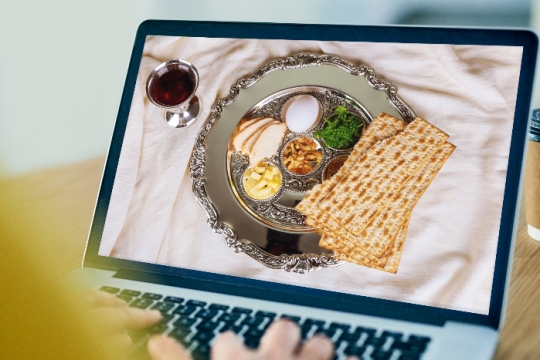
(309, 296)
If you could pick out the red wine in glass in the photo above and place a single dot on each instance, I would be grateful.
(172, 86)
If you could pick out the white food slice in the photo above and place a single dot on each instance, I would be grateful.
(268, 142)
(262, 183)
(248, 130)
(246, 147)
(259, 169)
(250, 122)
(255, 176)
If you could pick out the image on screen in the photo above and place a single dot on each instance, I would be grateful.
(374, 169)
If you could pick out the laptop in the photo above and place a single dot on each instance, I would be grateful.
(184, 224)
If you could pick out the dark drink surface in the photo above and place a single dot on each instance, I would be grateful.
(172, 85)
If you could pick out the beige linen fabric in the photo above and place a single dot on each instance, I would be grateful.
(468, 92)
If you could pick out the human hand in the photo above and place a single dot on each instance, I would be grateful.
(280, 342)
(114, 317)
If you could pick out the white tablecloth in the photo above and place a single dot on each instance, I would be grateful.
(448, 260)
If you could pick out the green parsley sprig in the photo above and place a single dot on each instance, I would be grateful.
(341, 130)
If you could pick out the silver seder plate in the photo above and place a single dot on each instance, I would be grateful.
(270, 230)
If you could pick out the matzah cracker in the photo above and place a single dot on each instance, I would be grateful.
(382, 171)
(379, 234)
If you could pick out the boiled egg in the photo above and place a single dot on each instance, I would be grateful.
(301, 113)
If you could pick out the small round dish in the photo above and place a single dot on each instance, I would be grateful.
(262, 182)
(302, 156)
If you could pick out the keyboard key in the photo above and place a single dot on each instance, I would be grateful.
(165, 318)
(238, 310)
(381, 355)
(252, 343)
(109, 289)
(418, 339)
(208, 326)
(218, 307)
(409, 357)
(185, 322)
(206, 313)
(253, 333)
(392, 334)
(180, 333)
(141, 303)
(315, 322)
(204, 337)
(409, 348)
(329, 333)
(292, 318)
(185, 310)
(125, 298)
(344, 327)
(201, 352)
(369, 331)
(305, 330)
(266, 314)
(252, 321)
(403, 346)
(131, 293)
(163, 306)
(377, 342)
(229, 318)
(355, 350)
(196, 303)
(349, 337)
(173, 299)
(151, 296)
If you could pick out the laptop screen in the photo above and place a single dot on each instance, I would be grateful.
(364, 168)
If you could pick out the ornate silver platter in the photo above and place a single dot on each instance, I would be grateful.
(278, 210)
(276, 245)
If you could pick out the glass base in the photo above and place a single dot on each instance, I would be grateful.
(179, 118)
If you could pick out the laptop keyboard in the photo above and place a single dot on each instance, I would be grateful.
(196, 323)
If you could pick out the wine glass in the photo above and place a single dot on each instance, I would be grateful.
(171, 86)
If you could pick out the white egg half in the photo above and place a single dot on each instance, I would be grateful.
(301, 113)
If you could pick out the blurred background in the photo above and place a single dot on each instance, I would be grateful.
(63, 63)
